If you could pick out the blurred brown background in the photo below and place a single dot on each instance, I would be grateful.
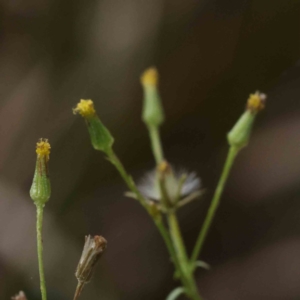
(211, 54)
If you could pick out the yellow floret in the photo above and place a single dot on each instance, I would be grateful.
(256, 102)
(164, 167)
(43, 148)
(85, 108)
(150, 77)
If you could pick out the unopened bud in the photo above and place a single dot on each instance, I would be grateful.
(153, 114)
(240, 134)
(20, 296)
(92, 251)
(40, 190)
(100, 136)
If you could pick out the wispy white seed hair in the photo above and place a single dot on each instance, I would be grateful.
(148, 185)
(191, 184)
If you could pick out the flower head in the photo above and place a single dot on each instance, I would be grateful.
(256, 102)
(100, 136)
(177, 184)
(239, 135)
(43, 148)
(85, 108)
(153, 114)
(150, 77)
(40, 189)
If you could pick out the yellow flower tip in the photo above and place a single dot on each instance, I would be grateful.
(85, 108)
(164, 167)
(150, 77)
(256, 102)
(43, 148)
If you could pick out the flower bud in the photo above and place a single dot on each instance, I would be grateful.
(40, 190)
(100, 136)
(20, 296)
(153, 114)
(240, 134)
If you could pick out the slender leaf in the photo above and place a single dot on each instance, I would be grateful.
(202, 264)
(175, 293)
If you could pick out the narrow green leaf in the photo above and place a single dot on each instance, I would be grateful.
(175, 293)
(202, 264)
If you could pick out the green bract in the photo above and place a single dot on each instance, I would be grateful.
(40, 190)
(239, 135)
(100, 136)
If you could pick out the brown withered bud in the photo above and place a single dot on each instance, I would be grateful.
(20, 296)
(92, 251)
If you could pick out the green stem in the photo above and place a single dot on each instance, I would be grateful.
(39, 228)
(188, 279)
(126, 177)
(233, 151)
(166, 237)
(156, 144)
(180, 257)
(176, 249)
(131, 185)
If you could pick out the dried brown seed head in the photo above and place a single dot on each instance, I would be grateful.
(92, 251)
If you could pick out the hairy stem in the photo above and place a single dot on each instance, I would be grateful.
(39, 228)
(233, 151)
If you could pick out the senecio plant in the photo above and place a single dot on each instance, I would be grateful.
(161, 192)
(40, 193)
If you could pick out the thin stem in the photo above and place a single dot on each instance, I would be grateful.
(156, 144)
(188, 279)
(126, 177)
(233, 151)
(176, 249)
(79, 289)
(166, 236)
(131, 185)
(39, 228)
(180, 259)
